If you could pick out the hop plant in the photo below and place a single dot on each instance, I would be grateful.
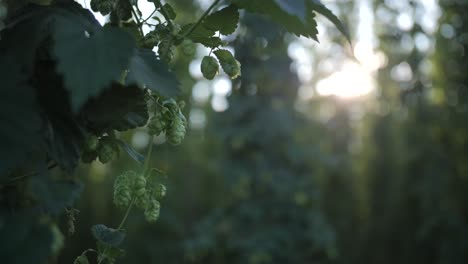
(123, 189)
(91, 143)
(108, 149)
(157, 124)
(176, 132)
(123, 9)
(209, 67)
(142, 201)
(152, 210)
(188, 48)
(230, 65)
(82, 259)
(139, 186)
(160, 191)
(102, 6)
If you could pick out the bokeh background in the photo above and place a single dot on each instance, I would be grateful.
(320, 153)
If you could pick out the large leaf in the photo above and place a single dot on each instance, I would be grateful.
(119, 107)
(296, 8)
(63, 135)
(225, 20)
(24, 239)
(285, 13)
(107, 235)
(19, 116)
(318, 7)
(52, 195)
(90, 61)
(28, 28)
(147, 71)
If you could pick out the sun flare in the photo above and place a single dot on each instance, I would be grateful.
(352, 81)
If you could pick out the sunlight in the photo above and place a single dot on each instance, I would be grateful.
(353, 80)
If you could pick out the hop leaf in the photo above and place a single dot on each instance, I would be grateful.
(225, 20)
(209, 67)
(230, 65)
(170, 11)
(82, 259)
(108, 236)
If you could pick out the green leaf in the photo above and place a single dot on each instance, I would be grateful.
(93, 61)
(109, 253)
(230, 65)
(28, 28)
(52, 195)
(82, 259)
(295, 8)
(318, 7)
(147, 71)
(225, 20)
(212, 42)
(284, 13)
(24, 238)
(19, 112)
(108, 236)
(63, 135)
(117, 108)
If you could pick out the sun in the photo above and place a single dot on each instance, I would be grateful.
(351, 81)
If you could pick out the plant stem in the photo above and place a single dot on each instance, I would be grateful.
(164, 13)
(138, 21)
(127, 213)
(207, 12)
(145, 171)
(148, 156)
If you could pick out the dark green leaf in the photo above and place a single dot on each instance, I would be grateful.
(294, 7)
(24, 239)
(107, 235)
(93, 61)
(28, 29)
(147, 71)
(52, 195)
(197, 34)
(21, 123)
(119, 108)
(318, 7)
(63, 135)
(212, 42)
(225, 20)
(285, 13)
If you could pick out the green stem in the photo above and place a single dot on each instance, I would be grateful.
(127, 213)
(207, 12)
(137, 21)
(148, 156)
(148, 18)
(165, 14)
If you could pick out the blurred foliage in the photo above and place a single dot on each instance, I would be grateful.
(264, 183)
